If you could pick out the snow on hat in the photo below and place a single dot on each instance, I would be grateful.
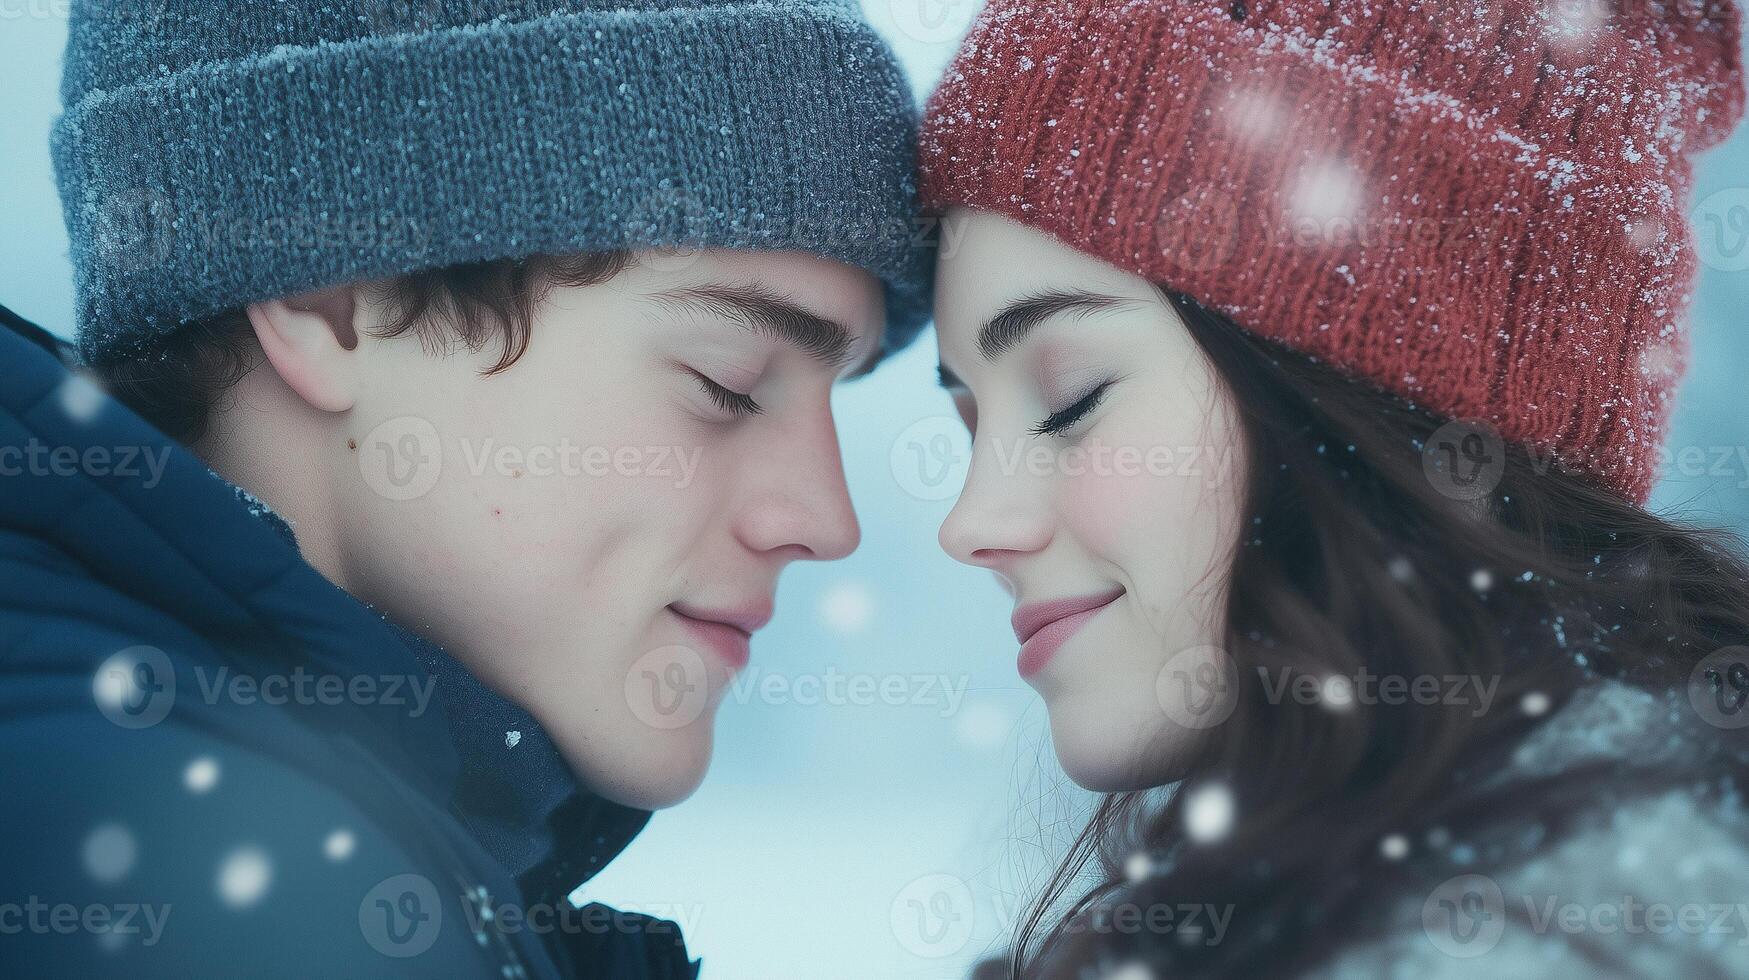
(1479, 206)
(217, 154)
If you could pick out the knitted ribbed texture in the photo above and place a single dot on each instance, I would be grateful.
(1479, 206)
(216, 154)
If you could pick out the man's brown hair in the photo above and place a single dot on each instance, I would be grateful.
(175, 385)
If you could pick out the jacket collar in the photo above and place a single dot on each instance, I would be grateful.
(515, 792)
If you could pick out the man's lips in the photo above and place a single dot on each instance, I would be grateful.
(749, 617)
(727, 632)
(1031, 617)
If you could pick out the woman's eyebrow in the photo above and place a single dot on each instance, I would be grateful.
(1005, 331)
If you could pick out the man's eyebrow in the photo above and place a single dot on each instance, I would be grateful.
(1005, 331)
(764, 312)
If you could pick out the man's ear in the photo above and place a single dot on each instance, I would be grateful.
(312, 343)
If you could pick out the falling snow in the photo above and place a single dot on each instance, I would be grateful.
(80, 398)
(201, 775)
(1138, 867)
(847, 608)
(1394, 847)
(110, 852)
(1534, 704)
(244, 877)
(1209, 811)
(339, 845)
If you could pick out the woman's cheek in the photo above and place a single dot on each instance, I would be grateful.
(1110, 508)
(1164, 517)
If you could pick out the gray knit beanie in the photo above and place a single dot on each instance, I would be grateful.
(216, 154)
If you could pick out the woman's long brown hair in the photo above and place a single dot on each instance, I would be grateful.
(1352, 557)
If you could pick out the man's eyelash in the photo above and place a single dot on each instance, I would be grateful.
(731, 402)
(1065, 420)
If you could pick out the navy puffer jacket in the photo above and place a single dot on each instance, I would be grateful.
(217, 763)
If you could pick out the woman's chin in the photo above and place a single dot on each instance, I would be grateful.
(1104, 756)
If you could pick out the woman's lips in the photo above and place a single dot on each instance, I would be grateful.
(731, 641)
(1043, 627)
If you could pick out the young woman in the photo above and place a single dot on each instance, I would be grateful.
(1318, 360)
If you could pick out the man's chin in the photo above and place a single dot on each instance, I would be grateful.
(663, 770)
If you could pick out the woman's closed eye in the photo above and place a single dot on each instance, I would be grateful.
(1061, 422)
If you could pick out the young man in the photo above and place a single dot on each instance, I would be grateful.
(508, 335)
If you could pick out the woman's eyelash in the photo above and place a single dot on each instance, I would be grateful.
(732, 402)
(1065, 420)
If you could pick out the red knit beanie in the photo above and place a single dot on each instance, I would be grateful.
(1479, 206)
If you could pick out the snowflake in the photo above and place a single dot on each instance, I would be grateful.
(80, 398)
(847, 608)
(1208, 813)
(1138, 867)
(244, 876)
(201, 775)
(1327, 194)
(339, 845)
